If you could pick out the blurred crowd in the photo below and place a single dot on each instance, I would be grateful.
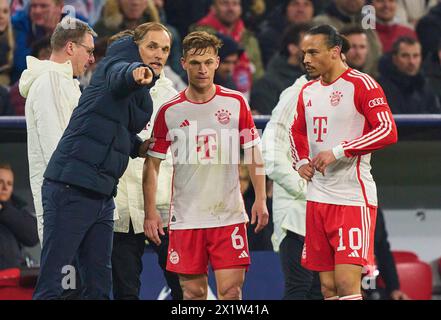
(398, 42)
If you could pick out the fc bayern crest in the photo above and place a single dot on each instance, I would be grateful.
(223, 116)
(335, 98)
(174, 257)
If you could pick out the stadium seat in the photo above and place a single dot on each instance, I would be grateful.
(404, 256)
(10, 288)
(415, 276)
(415, 279)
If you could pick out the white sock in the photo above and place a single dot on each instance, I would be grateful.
(352, 297)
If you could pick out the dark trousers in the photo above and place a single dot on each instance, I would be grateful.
(78, 223)
(300, 283)
(127, 252)
(171, 277)
(128, 249)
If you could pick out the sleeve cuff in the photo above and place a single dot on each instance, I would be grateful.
(158, 155)
(338, 152)
(129, 75)
(301, 163)
(136, 143)
(251, 144)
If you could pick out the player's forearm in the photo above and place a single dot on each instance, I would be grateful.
(150, 184)
(256, 170)
(384, 133)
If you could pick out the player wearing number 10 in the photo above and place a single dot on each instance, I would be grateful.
(336, 128)
(207, 214)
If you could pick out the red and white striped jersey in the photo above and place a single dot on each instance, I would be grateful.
(351, 116)
(205, 140)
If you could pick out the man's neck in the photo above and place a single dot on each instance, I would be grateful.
(334, 73)
(58, 58)
(200, 95)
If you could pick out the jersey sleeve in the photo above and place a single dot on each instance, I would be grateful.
(159, 147)
(299, 136)
(249, 136)
(380, 128)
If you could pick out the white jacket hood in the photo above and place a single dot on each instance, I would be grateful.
(38, 67)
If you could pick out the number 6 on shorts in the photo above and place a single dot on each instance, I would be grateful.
(237, 239)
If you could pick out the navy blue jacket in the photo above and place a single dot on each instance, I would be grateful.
(102, 133)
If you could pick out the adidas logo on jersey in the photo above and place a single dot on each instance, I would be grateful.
(309, 104)
(354, 254)
(185, 123)
(244, 254)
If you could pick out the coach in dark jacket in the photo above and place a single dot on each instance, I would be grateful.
(83, 172)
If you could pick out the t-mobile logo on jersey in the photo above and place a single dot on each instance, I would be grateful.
(320, 129)
(206, 144)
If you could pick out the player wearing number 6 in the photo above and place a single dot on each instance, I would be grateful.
(336, 128)
(205, 126)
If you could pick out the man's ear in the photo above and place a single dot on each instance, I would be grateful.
(336, 52)
(70, 48)
(217, 62)
(183, 64)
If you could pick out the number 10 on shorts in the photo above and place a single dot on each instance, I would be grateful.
(354, 234)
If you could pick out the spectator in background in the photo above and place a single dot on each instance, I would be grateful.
(283, 70)
(225, 17)
(6, 43)
(253, 13)
(341, 13)
(30, 25)
(6, 108)
(229, 55)
(120, 15)
(432, 70)
(41, 50)
(290, 12)
(357, 55)
(182, 15)
(429, 30)
(18, 227)
(409, 12)
(406, 89)
(174, 60)
(387, 29)
(89, 9)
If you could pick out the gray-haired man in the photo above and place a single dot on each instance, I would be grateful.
(51, 94)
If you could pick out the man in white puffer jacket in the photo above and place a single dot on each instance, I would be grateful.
(129, 238)
(289, 198)
(52, 93)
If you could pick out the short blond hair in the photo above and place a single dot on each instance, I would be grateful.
(200, 41)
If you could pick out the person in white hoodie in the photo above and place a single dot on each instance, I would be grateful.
(52, 92)
(289, 198)
(129, 239)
